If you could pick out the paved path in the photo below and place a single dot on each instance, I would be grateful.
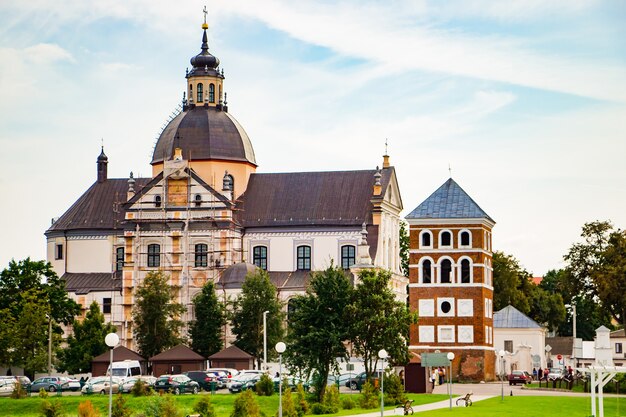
(423, 407)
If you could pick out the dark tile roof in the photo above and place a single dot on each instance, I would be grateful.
(450, 201)
(231, 352)
(99, 208)
(235, 275)
(86, 282)
(618, 333)
(120, 353)
(563, 345)
(332, 198)
(177, 353)
(510, 317)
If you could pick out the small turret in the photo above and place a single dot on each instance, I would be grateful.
(377, 184)
(102, 163)
(131, 187)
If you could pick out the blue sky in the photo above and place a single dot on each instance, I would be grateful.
(525, 100)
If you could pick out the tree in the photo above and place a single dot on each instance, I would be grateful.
(404, 249)
(609, 276)
(257, 295)
(205, 330)
(317, 327)
(156, 315)
(31, 334)
(86, 342)
(378, 320)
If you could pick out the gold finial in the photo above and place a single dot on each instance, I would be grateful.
(205, 25)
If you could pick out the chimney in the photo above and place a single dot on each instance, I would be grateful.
(102, 166)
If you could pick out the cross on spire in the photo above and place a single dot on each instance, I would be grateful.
(205, 13)
(385, 146)
(450, 169)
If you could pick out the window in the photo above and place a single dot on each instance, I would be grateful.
(618, 348)
(465, 238)
(58, 251)
(106, 305)
(154, 255)
(190, 92)
(426, 271)
(199, 94)
(212, 93)
(508, 346)
(259, 256)
(446, 239)
(465, 271)
(427, 239)
(198, 200)
(201, 255)
(446, 271)
(304, 258)
(119, 259)
(348, 257)
(157, 201)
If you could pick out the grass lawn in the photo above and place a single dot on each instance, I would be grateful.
(223, 404)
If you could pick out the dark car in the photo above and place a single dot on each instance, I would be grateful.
(48, 383)
(520, 377)
(357, 382)
(176, 384)
(244, 382)
(205, 379)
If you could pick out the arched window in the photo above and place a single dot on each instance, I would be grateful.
(154, 255)
(220, 93)
(119, 259)
(198, 200)
(427, 239)
(157, 201)
(445, 238)
(427, 266)
(259, 256)
(465, 238)
(348, 256)
(445, 271)
(191, 92)
(465, 271)
(201, 255)
(304, 258)
(211, 93)
(199, 94)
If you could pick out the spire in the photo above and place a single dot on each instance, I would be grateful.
(204, 63)
(102, 162)
(386, 157)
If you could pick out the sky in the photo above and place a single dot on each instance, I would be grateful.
(523, 103)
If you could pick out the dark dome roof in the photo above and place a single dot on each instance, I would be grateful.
(204, 63)
(204, 133)
(235, 275)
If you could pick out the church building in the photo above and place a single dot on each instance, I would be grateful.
(205, 214)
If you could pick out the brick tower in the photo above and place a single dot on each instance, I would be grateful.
(451, 287)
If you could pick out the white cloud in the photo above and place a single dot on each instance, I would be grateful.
(45, 53)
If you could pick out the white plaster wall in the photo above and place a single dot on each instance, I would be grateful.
(535, 338)
(89, 255)
(57, 264)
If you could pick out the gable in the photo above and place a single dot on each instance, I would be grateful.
(392, 195)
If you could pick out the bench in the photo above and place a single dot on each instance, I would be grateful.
(407, 407)
(465, 400)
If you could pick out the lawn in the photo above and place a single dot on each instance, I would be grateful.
(223, 404)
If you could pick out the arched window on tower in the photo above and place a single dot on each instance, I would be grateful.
(211, 93)
(303, 258)
(426, 239)
(198, 200)
(199, 94)
(427, 271)
(259, 256)
(446, 238)
(465, 238)
(191, 92)
(446, 271)
(465, 271)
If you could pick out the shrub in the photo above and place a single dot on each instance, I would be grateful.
(162, 406)
(119, 408)
(265, 386)
(139, 389)
(331, 399)
(85, 409)
(289, 407)
(43, 393)
(18, 391)
(246, 406)
(302, 405)
(51, 409)
(394, 390)
(369, 396)
(347, 403)
(318, 409)
(203, 407)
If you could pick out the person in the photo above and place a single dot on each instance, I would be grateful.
(535, 373)
(433, 377)
(442, 375)
(545, 373)
(401, 375)
(540, 374)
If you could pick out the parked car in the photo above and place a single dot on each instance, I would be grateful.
(6, 387)
(356, 383)
(177, 384)
(24, 380)
(520, 377)
(128, 384)
(100, 385)
(244, 382)
(243, 374)
(230, 372)
(556, 373)
(50, 384)
(70, 384)
(204, 379)
(292, 382)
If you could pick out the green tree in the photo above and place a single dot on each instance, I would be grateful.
(257, 295)
(318, 326)
(86, 342)
(404, 249)
(609, 276)
(378, 320)
(156, 315)
(206, 330)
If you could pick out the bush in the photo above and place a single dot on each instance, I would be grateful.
(246, 406)
(162, 406)
(139, 389)
(318, 409)
(369, 396)
(43, 393)
(85, 409)
(302, 405)
(289, 407)
(331, 399)
(347, 403)
(204, 407)
(265, 386)
(119, 408)
(18, 391)
(394, 390)
(49, 409)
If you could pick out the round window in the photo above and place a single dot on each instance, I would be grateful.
(446, 307)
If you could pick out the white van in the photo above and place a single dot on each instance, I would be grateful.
(125, 369)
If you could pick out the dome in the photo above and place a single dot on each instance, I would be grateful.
(204, 133)
(204, 62)
(235, 275)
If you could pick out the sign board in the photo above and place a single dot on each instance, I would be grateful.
(435, 359)
(559, 356)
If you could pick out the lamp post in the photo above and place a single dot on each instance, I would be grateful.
(49, 344)
(265, 340)
(382, 354)
(280, 348)
(450, 358)
(111, 340)
(502, 373)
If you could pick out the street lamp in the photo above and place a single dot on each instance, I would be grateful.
(382, 354)
(502, 372)
(111, 340)
(450, 358)
(280, 348)
(265, 340)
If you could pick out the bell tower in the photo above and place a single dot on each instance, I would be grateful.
(450, 281)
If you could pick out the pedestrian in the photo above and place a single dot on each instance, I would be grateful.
(540, 374)
(433, 377)
(442, 375)
(535, 374)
